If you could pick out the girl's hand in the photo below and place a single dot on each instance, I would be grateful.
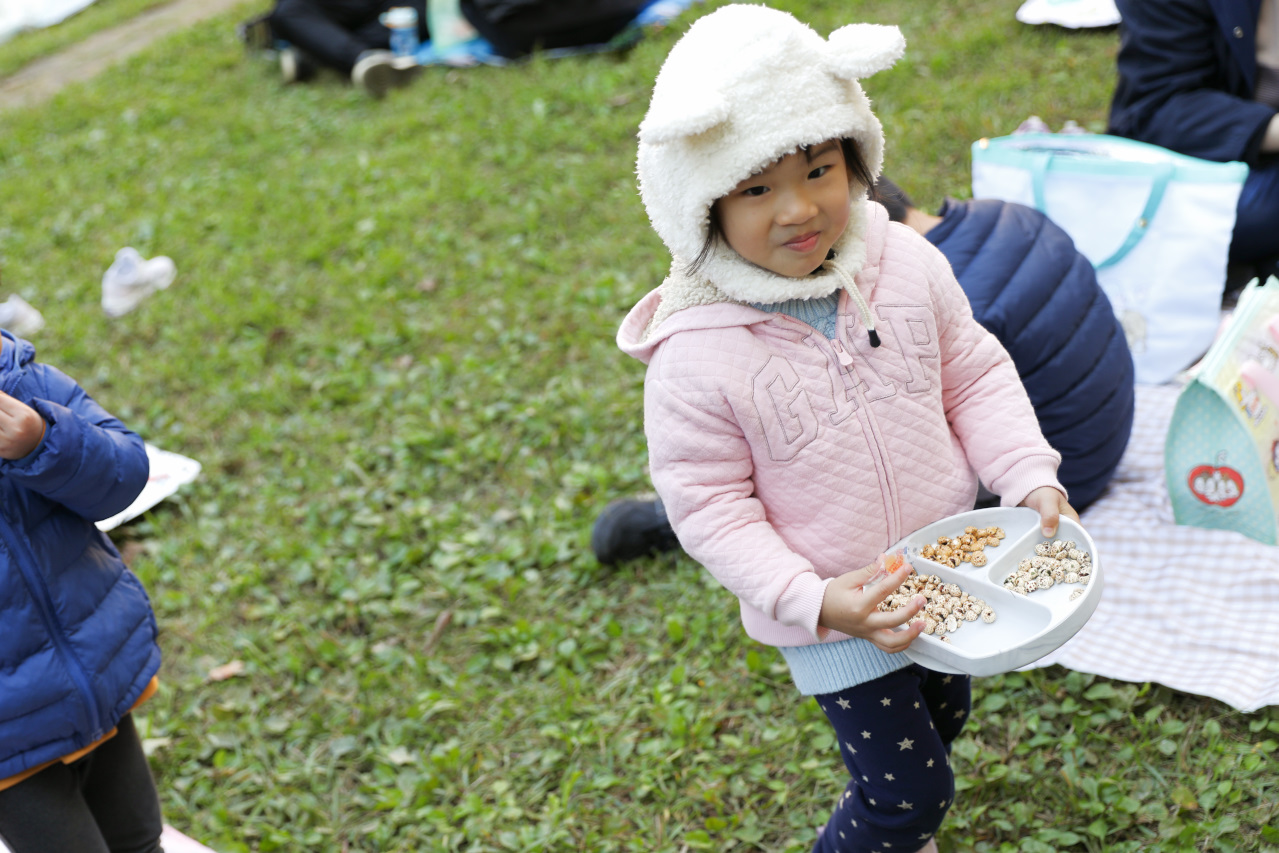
(1050, 504)
(851, 602)
(21, 428)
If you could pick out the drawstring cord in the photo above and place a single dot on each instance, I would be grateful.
(851, 286)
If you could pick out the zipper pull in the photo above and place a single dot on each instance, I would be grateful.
(845, 359)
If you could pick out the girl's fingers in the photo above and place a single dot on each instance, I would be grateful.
(900, 616)
(894, 641)
(866, 577)
(880, 586)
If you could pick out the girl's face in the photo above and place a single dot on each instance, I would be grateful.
(786, 218)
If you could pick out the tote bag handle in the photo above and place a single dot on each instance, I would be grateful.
(1160, 173)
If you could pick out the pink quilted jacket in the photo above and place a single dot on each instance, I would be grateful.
(786, 459)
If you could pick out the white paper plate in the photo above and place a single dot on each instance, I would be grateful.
(1026, 627)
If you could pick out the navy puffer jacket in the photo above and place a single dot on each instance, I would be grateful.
(77, 634)
(1039, 296)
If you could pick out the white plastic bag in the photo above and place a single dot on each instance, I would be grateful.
(132, 278)
(1075, 14)
(19, 15)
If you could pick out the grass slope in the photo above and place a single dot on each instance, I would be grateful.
(390, 345)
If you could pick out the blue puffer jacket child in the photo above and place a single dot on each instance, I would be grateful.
(1039, 296)
(77, 634)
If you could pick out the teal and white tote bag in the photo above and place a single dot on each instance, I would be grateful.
(1156, 225)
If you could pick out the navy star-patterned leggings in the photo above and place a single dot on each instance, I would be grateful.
(894, 735)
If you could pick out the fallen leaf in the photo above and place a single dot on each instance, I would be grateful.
(151, 745)
(441, 622)
(401, 756)
(226, 670)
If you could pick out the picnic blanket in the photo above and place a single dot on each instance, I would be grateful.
(478, 51)
(1187, 607)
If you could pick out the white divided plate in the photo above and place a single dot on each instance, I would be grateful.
(1026, 627)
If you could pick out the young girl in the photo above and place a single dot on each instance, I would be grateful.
(77, 635)
(817, 388)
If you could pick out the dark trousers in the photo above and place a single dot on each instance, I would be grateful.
(894, 736)
(1256, 236)
(567, 23)
(103, 803)
(335, 32)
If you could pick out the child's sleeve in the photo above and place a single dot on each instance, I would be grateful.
(701, 466)
(88, 461)
(985, 400)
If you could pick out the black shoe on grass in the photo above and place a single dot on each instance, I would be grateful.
(628, 529)
(379, 71)
(296, 66)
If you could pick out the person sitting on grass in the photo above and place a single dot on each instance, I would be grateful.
(1201, 77)
(347, 36)
(816, 388)
(1036, 293)
(78, 639)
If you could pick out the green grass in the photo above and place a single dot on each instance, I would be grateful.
(31, 45)
(391, 346)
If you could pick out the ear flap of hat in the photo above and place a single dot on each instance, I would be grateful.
(859, 50)
(683, 113)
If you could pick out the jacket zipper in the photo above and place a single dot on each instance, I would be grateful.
(44, 602)
(846, 366)
(25, 560)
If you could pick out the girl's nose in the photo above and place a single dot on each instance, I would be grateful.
(796, 207)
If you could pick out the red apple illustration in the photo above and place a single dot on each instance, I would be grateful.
(1218, 484)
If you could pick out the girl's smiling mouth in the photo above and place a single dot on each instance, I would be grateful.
(804, 242)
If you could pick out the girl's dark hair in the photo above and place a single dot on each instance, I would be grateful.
(853, 161)
(893, 198)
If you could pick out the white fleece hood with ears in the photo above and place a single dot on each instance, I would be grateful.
(745, 86)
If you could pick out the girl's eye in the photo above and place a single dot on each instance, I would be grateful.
(818, 172)
(754, 191)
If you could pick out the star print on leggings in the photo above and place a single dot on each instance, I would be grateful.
(886, 797)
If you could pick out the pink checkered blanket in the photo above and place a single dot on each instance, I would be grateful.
(1186, 607)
